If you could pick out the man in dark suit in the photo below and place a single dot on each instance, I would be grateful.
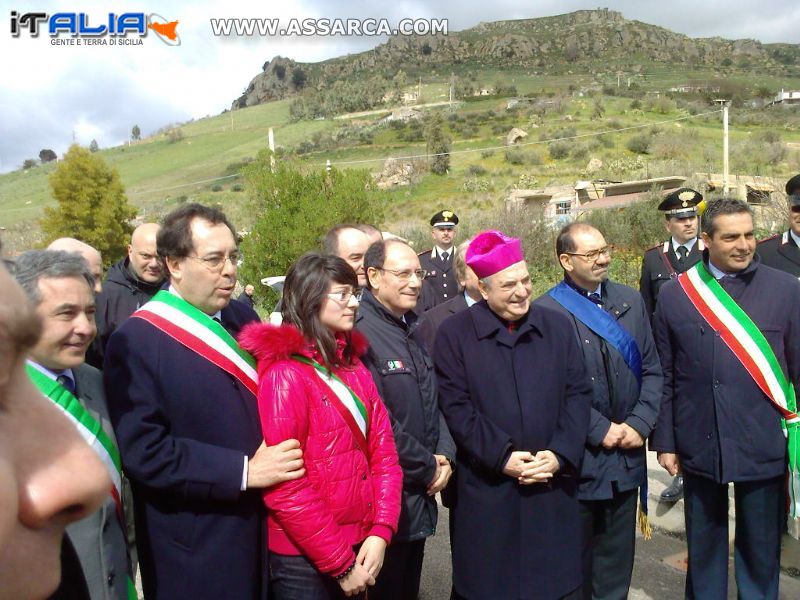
(440, 284)
(469, 295)
(621, 359)
(514, 392)
(60, 284)
(719, 328)
(782, 251)
(181, 397)
(665, 261)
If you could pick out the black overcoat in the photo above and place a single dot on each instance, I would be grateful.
(503, 391)
(712, 412)
(659, 265)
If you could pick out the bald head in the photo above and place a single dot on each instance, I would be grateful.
(142, 253)
(92, 256)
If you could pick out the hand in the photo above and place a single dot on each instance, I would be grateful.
(356, 581)
(371, 554)
(544, 466)
(670, 462)
(614, 436)
(437, 474)
(275, 464)
(517, 462)
(445, 472)
(632, 438)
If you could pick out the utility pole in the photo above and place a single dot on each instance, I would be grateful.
(724, 104)
(452, 79)
(271, 138)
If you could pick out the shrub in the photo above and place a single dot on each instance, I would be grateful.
(639, 144)
(515, 156)
(487, 153)
(216, 188)
(476, 170)
(558, 150)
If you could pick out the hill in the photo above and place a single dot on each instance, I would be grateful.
(598, 42)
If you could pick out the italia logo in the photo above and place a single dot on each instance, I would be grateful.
(82, 26)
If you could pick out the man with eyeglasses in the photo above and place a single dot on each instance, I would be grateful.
(612, 329)
(516, 397)
(666, 261)
(782, 250)
(181, 394)
(129, 284)
(403, 374)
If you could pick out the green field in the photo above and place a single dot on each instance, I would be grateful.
(158, 173)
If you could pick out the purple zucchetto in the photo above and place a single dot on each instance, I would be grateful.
(492, 251)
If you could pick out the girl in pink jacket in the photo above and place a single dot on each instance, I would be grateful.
(328, 530)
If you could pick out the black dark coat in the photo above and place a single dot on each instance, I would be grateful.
(656, 270)
(713, 414)
(123, 293)
(440, 280)
(780, 252)
(184, 427)
(430, 321)
(629, 404)
(499, 392)
(403, 374)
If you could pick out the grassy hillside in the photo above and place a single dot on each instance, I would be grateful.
(159, 173)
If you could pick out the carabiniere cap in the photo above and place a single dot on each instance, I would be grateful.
(681, 203)
(444, 218)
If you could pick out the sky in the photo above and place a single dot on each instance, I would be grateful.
(53, 95)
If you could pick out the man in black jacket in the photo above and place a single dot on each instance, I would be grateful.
(403, 373)
(626, 393)
(130, 283)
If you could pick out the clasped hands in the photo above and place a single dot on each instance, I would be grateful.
(622, 435)
(529, 468)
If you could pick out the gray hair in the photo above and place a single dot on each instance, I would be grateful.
(722, 206)
(34, 265)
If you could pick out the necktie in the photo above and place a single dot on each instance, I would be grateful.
(595, 297)
(66, 382)
(682, 253)
(445, 256)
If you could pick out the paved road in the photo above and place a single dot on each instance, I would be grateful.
(653, 577)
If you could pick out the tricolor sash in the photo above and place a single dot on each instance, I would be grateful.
(758, 358)
(91, 431)
(350, 406)
(201, 334)
(601, 323)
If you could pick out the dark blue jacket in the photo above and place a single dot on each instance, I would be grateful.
(502, 391)
(713, 414)
(403, 374)
(184, 427)
(630, 404)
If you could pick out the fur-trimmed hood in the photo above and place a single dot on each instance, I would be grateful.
(271, 343)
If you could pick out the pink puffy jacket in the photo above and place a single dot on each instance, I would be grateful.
(345, 495)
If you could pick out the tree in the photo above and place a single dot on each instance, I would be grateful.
(92, 205)
(46, 155)
(136, 133)
(439, 146)
(296, 209)
(298, 77)
(94, 146)
(29, 163)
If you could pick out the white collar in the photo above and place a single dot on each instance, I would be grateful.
(217, 315)
(718, 273)
(795, 237)
(688, 245)
(469, 300)
(441, 251)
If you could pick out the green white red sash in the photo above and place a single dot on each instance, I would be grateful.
(752, 349)
(200, 333)
(349, 406)
(91, 431)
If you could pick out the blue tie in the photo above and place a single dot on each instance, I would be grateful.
(66, 382)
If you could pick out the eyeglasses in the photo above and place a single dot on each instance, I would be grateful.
(217, 263)
(594, 254)
(344, 296)
(406, 275)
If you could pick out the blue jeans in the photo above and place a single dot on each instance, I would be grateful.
(295, 578)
